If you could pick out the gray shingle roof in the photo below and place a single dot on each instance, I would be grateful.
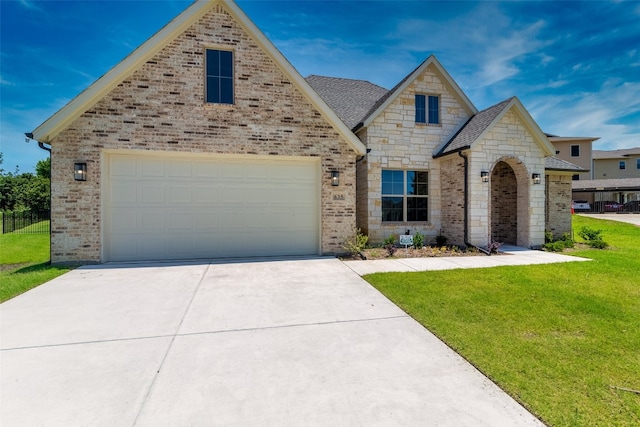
(556, 164)
(473, 129)
(350, 99)
(615, 154)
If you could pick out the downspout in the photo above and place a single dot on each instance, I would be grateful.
(466, 204)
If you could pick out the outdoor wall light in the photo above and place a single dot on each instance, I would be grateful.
(80, 171)
(484, 175)
(536, 178)
(335, 178)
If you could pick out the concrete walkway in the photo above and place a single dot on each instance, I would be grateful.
(301, 342)
(510, 255)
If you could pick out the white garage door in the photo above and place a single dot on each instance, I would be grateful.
(160, 208)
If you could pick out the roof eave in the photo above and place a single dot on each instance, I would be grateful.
(447, 153)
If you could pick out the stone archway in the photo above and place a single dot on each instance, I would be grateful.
(504, 204)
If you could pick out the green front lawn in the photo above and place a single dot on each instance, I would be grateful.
(562, 339)
(24, 263)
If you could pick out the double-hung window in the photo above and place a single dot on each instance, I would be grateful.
(637, 163)
(622, 164)
(427, 109)
(219, 76)
(405, 196)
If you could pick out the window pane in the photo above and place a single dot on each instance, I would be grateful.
(417, 183)
(392, 182)
(434, 109)
(226, 64)
(213, 89)
(623, 164)
(637, 163)
(420, 109)
(417, 209)
(213, 63)
(226, 91)
(392, 208)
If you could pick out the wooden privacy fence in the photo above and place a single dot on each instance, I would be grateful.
(26, 222)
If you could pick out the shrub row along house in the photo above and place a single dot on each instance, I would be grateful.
(206, 142)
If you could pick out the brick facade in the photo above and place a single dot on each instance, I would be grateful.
(558, 195)
(452, 178)
(161, 107)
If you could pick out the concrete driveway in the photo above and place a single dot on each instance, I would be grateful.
(628, 218)
(272, 342)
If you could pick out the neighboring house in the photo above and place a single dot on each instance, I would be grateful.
(577, 150)
(437, 165)
(205, 142)
(616, 164)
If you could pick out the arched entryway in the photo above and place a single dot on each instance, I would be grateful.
(504, 204)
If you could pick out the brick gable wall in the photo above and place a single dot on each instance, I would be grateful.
(160, 107)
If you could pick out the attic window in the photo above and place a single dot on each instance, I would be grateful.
(219, 77)
(428, 109)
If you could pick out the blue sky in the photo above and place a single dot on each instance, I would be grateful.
(574, 65)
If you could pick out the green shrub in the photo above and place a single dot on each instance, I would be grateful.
(548, 237)
(553, 245)
(418, 240)
(589, 234)
(356, 243)
(441, 240)
(598, 244)
(557, 246)
(389, 241)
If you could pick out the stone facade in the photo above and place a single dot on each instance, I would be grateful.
(161, 107)
(397, 142)
(511, 142)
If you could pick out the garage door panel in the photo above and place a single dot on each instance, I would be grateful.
(151, 194)
(177, 208)
(152, 168)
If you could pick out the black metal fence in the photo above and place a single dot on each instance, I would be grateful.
(607, 202)
(26, 222)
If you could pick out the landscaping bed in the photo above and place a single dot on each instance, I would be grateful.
(412, 252)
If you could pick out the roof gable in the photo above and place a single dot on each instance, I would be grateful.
(391, 96)
(481, 123)
(55, 124)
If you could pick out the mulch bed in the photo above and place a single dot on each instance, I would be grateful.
(411, 252)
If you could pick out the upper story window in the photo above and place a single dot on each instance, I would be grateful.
(428, 109)
(404, 196)
(637, 163)
(622, 164)
(219, 76)
(575, 151)
(576, 177)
